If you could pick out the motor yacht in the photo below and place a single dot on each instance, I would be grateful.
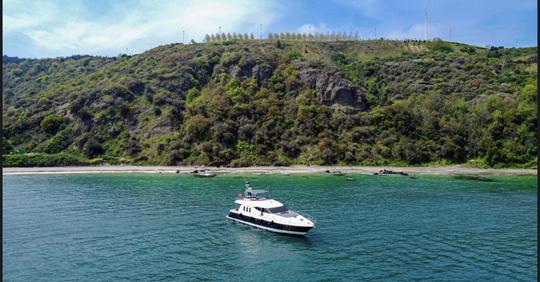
(268, 214)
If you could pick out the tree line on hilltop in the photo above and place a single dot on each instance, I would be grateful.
(296, 36)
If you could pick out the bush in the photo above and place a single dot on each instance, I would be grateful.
(7, 146)
(441, 46)
(294, 54)
(192, 94)
(468, 49)
(197, 127)
(93, 148)
(42, 160)
(338, 58)
(51, 123)
(54, 145)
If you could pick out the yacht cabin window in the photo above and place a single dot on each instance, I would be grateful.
(277, 210)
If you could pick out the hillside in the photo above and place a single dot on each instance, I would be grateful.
(242, 103)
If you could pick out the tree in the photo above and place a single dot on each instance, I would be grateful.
(197, 127)
(51, 123)
(192, 94)
(93, 148)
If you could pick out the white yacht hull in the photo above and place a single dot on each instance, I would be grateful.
(269, 228)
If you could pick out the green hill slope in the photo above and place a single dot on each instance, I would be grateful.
(262, 103)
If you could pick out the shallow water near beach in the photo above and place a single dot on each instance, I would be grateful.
(109, 227)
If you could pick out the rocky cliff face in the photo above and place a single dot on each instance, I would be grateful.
(332, 87)
(244, 66)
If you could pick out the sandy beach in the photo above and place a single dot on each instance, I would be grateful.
(445, 170)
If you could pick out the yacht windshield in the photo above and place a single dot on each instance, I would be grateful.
(278, 209)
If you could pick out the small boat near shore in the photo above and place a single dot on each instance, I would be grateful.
(383, 172)
(335, 172)
(268, 214)
(202, 173)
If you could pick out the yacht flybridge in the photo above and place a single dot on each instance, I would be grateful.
(268, 214)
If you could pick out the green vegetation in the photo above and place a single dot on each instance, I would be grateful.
(44, 160)
(249, 102)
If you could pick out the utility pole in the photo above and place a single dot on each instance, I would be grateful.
(183, 33)
(425, 23)
(260, 31)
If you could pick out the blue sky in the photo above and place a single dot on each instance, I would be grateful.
(67, 27)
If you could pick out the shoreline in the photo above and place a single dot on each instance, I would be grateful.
(443, 170)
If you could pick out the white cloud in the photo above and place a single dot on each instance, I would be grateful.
(20, 22)
(138, 27)
(18, 16)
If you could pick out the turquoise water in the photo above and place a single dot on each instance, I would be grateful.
(173, 228)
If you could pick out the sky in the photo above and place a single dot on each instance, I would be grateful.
(52, 28)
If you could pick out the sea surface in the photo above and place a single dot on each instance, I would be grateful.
(168, 227)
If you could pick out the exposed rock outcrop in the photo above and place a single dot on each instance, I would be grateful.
(241, 66)
(163, 127)
(331, 85)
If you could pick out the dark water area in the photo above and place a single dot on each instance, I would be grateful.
(111, 227)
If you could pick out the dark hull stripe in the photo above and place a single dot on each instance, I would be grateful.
(265, 223)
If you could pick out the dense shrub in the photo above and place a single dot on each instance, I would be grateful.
(43, 160)
(51, 123)
(93, 148)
